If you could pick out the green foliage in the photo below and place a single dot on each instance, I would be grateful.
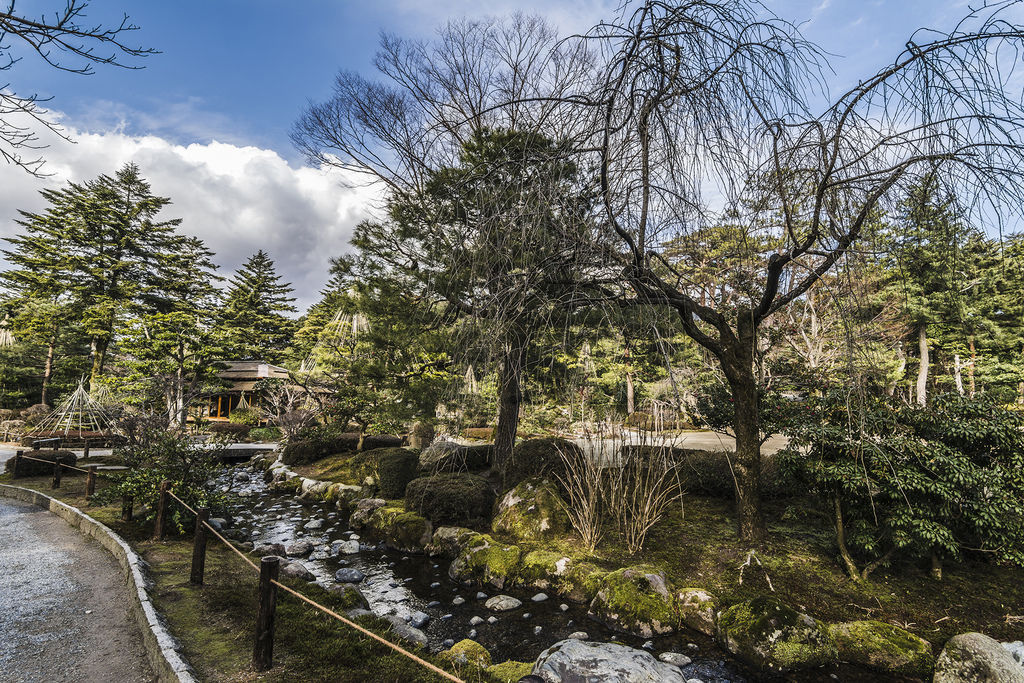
(775, 412)
(946, 479)
(265, 434)
(392, 468)
(246, 416)
(251, 323)
(166, 456)
(456, 498)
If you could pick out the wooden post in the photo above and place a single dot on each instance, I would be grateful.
(161, 510)
(17, 464)
(55, 484)
(127, 503)
(199, 547)
(90, 482)
(263, 650)
(35, 444)
(85, 451)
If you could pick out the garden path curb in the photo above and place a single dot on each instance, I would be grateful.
(162, 649)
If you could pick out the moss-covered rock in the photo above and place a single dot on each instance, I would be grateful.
(348, 596)
(636, 600)
(543, 569)
(365, 508)
(884, 647)
(389, 469)
(539, 458)
(448, 456)
(510, 671)
(421, 435)
(467, 652)
(401, 530)
(449, 540)
(532, 511)
(697, 609)
(976, 658)
(484, 560)
(451, 498)
(770, 635)
(581, 581)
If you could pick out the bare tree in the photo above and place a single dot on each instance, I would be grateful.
(65, 43)
(461, 133)
(702, 117)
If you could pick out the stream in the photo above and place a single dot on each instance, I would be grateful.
(403, 584)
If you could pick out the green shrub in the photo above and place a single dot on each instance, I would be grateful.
(238, 431)
(539, 458)
(447, 456)
(265, 434)
(245, 416)
(32, 468)
(457, 498)
(375, 441)
(394, 469)
(928, 482)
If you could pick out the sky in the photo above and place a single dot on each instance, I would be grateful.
(207, 119)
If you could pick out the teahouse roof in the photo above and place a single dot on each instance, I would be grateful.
(250, 371)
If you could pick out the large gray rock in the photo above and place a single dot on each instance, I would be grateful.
(503, 603)
(364, 509)
(405, 631)
(299, 549)
(976, 658)
(579, 661)
(348, 575)
(296, 570)
(772, 636)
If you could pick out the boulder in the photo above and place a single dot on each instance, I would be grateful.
(532, 511)
(485, 560)
(296, 570)
(364, 508)
(581, 581)
(540, 458)
(35, 468)
(344, 547)
(770, 635)
(636, 600)
(467, 652)
(400, 530)
(265, 549)
(421, 435)
(503, 603)
(882, 646)
(299, 549)
(447, 456)
(348, 575)
(543, 569)
(449, 540)
(976, 658)
(405, 631)
(697, 609)
(581, 661)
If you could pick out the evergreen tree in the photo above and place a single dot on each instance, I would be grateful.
(252, 321)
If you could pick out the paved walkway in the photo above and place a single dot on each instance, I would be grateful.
(63, 604)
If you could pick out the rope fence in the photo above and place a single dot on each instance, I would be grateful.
(268, 568)
(268, 585)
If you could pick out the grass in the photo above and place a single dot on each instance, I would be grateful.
(698, 547)
(215, 622)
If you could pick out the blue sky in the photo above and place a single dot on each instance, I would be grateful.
(208, 118)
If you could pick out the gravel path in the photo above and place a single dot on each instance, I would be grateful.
(63, 604)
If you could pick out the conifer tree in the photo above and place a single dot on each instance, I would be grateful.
(252, 322)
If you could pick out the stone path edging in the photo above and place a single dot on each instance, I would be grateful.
(162, 649)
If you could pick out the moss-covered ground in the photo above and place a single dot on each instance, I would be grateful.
(697, 545)
(215, 622)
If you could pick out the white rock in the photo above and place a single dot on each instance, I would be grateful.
(675, 659)
(503, 603)
(578, 661)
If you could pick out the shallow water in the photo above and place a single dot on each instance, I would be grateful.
(401, 584)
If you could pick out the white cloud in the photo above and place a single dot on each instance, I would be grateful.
(236, 198)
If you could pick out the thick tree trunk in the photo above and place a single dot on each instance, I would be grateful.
(48, 366)
(510, 399)
(739, 370)
(957, 377)
(922, 368)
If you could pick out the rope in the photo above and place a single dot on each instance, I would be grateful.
(397, 648)
(51, 462)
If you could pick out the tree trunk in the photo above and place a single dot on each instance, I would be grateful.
(48, 366)
(957, 377)
(98, 349)
(970, 368)
(844, 552)
(739, 370)
(630, 394)
(922, 369)
(510, 399)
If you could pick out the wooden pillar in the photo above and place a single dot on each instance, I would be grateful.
(263, 650)
(17, 464)
(161, 510)
(55, 484)
(199, 547)
(127, 503)
(90, 482)
(85, 451)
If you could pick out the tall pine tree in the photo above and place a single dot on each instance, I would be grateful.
(252, 323)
